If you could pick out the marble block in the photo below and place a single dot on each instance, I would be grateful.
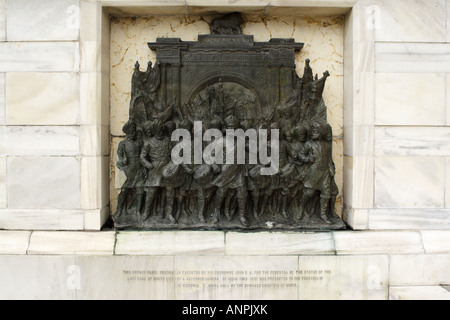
(14, 242)
(416, 293)
(33, 182)
(39, 57)
(357, 219)
(41, 219)
(135, 278)
(447, 182)
(94, 182)
(3, 199)
(448, 21)
(72, 243)
(448, 94)
(424, 21)
(410, 99)
(168, 243)
(412, 141)
(278, 243)
(409, 182)
(353, 243)
(359, 182)
(236, 278)
(43, 20)
(343, 278)
(2, 20)
(419, 270)
(2, 98)
(409, 219)
(39, 141)
(436, 241)
(38, 278)
(403, 57)
(49, 99)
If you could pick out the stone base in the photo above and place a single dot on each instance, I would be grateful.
(190, 265)
(265, 223)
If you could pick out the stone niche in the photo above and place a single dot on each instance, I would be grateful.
(131, 36)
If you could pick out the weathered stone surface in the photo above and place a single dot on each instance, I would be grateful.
(32, 182)
(168, 243)
(14, 242)
(45, 20)
(50, 99)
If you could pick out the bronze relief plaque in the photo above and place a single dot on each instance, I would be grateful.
(224, 135)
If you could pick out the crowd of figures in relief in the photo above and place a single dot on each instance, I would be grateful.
(156, 189)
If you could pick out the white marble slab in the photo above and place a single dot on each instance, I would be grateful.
(412, 57)
(169, 243)
(343, 278)
(423, 21)
(43, 20)
(38, 278)
(448, 21)
(410, 99)
(412, 141)
(236, 277)
(359, 182)
(437, 241)
(409, 219)
(154, 7)
(419, 270)
(2, 98)
(357, 219)
(95, 219)
(41, 219)
(278, 243)
(448, 96)
(354, 243)
(94, 182)
(14, 242)
(39, 57)
(43, 183)
(416, 293)
(39, 141)
(71, 243)
(3, 198)
(94, 140)
(2, 20)
(126, 278)
(409, 182)
(447, 182)
(49, 99)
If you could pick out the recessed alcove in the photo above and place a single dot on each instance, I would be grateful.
(351, 115)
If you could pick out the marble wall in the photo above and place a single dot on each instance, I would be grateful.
(391, 141)
(59, 123)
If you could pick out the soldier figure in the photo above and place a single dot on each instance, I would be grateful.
(232, 176)
(155, 156)
(129, 162)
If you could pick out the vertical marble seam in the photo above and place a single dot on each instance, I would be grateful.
(115, 243)
(29, 242)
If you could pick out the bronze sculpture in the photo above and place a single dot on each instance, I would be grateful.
(227, 82)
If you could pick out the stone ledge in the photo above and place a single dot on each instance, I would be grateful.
(273, 7)
(14, 242)
(71, 243)
(170, 243)
(397, 243)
